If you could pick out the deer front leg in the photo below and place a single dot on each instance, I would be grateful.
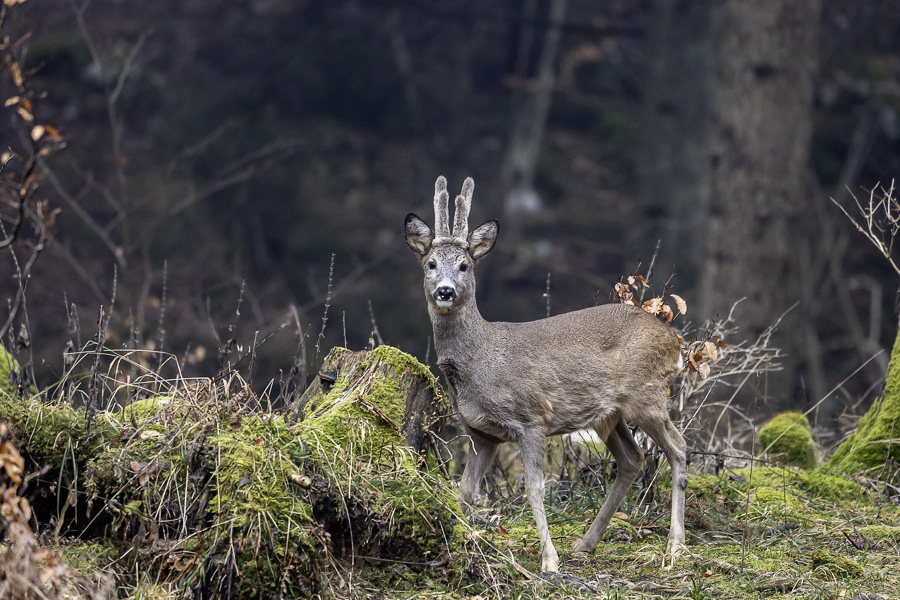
(481, 455)
(531, 445)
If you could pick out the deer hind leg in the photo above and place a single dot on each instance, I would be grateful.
(629, 459)
(657, 425)
(481, 455)
(531, 445)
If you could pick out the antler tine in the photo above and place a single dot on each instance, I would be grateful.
(441, 212)
(463, 204)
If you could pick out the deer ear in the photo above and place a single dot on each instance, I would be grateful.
(418, 234)
(482, 239)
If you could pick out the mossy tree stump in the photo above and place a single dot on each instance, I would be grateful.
(386, 383)
(874, 448)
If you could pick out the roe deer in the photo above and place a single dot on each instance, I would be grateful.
(521, 382)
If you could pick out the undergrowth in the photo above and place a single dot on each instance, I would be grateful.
(184, 485)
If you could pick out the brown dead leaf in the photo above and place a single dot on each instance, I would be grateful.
(530, 550)
(703, 369)
(680, 303)
(12, 462)
(711, 351)
(54, 132)
(37, 132)
(522, 571)
(14, 69)
(621, 515)
(477, 535)
(150, 433)
(653, 305)
(667, 313)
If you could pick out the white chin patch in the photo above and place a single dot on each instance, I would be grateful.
(444, 303)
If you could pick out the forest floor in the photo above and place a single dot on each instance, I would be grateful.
(204, 492)
(766, 533)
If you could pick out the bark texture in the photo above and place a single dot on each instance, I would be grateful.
(674, 166)
(759, 164)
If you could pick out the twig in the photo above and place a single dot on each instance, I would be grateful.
(327, 305)
(880, 229)
(375, 331)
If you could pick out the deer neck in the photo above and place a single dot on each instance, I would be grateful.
(458, 334)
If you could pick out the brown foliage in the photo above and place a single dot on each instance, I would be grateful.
(28, 571)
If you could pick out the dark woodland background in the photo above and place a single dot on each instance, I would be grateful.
(219, 153)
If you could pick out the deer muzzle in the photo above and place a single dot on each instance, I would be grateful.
(445, 295)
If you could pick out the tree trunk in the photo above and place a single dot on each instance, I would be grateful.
(761, 131)
(674, 168)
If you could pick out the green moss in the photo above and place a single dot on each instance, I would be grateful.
(777, 497)
(881, 533)
(402, 361)
(787, 439)
(370, 423)
(87, 557)
(712, 487)
(254, 462)
(53, 433)
(813, 483)
(836, 564)
(8, 364)
(831, 487)
(874, 443)
(141, 411)
(423, 513)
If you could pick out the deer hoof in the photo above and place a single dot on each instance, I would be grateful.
(583, 548)
(674, 549)
(550, 563)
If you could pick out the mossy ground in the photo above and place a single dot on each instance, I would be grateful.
(752, 534)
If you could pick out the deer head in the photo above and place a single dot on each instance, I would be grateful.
(449, 258)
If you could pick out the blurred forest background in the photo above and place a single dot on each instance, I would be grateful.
(219, 154)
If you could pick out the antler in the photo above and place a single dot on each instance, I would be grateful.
(463, 203)
(441, 215)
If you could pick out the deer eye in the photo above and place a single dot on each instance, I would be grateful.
(432, 265)
(464, 267)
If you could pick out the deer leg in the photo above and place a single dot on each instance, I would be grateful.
(659, 427)
(481, 455)
(531, 445)
(629, 459)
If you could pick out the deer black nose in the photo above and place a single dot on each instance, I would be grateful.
(445, 293)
